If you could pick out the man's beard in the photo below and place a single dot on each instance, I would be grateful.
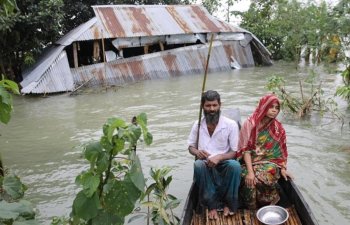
(212, 117)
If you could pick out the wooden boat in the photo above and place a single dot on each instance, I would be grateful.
(291, 199)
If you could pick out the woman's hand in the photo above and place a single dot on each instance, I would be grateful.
(285, 174)
(250, 180)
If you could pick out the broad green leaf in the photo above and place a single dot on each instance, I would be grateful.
(90, 183)
(6, 215)
(102, 163)
(11, 86)
(115, 123)
(106, 218)
(5, 96)
(108, 187)
(148, 138)
(136, 174)
(5, 112)
(105, 129)
(136, 132)
(121, 197)
(119, 145)
(21, 208)
(92, 151)
(168, 181)
(14, 187)
(142, 119)
(84, 207)
(26, 222)
(106, 144)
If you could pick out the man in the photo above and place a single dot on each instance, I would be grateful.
(216, 174)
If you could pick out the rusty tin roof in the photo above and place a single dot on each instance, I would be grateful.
(153, 20)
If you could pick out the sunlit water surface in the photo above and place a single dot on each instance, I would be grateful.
(41, 142)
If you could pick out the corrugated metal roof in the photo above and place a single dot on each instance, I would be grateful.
(153, 20)
(81, 33)
(140, 25)
(164, 64)
(57, 78)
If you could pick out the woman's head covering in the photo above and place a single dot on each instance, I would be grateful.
(250, 130)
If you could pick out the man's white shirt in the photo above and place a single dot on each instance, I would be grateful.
(224, 138)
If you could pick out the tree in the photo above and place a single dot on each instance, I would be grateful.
(211, 5)
(286, 27)
(34, 26)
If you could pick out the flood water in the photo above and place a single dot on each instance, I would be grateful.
(41, 142)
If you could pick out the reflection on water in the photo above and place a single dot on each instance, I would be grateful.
(42, 141)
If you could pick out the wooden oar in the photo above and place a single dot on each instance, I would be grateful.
(203, 87)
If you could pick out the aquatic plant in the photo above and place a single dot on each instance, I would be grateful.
(304, 103)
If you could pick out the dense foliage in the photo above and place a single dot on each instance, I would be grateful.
(33, 26)
(344, 90)
(289, 28)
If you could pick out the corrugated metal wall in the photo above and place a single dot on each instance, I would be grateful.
(176, 62)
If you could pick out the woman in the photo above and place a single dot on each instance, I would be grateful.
(263, 153)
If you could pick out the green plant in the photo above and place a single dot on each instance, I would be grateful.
(344, 91)
(159, 202)
(276, 84)
(305, 102)
(114, 181)
(61, 221)
(13, 209)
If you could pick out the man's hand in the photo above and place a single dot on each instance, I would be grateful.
(202, 154)
(213, 161)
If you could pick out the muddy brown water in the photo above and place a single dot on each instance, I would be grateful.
(41, 142)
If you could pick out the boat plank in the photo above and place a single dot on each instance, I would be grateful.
(242, 217)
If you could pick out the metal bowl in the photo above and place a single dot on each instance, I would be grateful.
(272, 215)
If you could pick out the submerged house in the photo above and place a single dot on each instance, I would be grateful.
(127, 43)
